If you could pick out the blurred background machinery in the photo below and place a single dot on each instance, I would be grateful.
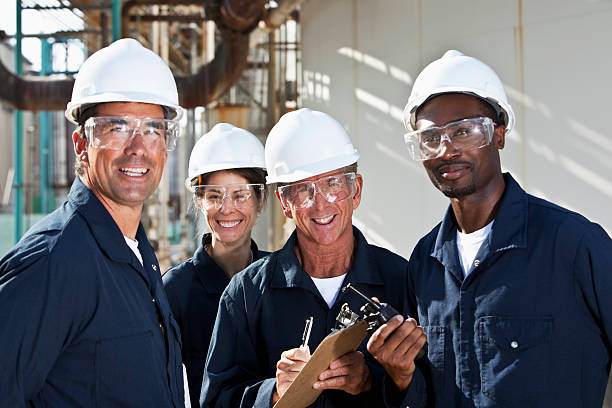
(235, 61)
(249, 61)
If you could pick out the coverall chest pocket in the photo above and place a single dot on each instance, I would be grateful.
(436, 339)
(125, 372)
(515, 359)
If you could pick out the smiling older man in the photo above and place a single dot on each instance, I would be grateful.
(254, 355)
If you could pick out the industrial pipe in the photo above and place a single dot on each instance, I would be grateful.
(235, 19)
(275, 17)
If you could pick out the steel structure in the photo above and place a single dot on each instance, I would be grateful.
(207, 43)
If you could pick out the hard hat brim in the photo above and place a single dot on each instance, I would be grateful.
(73, 108)
(413, 106)
(314, 169)
(220, 167)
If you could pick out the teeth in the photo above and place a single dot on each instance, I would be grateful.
(325, 220)
(133, 172)
(228, 224)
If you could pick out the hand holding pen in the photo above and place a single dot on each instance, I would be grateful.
(291, 363)
(306, 334)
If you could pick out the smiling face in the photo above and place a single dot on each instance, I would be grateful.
(125, 177)
(228, 224)
(326, 223)
(461, 173)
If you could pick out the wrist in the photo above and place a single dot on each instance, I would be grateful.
(368, 381)
(403, 382)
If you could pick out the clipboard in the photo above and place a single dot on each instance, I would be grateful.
(300, 393)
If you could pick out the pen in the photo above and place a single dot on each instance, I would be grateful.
(306, 334)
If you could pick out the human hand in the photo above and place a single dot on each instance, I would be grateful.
(288, 367)
(348, 373)
(395, 345)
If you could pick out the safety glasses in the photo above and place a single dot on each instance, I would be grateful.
(333, 188)
(115, 132)
(242, 196)
(466, 134)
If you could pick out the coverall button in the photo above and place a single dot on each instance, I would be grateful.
(514, 344)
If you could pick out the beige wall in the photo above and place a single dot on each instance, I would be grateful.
(360, 58)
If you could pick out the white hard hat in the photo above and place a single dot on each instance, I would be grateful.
(305, 143)
(125, 71)
(224, 147)
(458, 73)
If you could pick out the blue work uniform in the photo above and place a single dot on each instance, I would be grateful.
(84, 324)
(194, 288)
(531, 324)
(262, 313)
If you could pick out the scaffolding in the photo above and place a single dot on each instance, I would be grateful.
(192, 36)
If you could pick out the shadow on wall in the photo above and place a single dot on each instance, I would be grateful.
(566, 164)
(315, 87)
(578, 157)
(574, 156)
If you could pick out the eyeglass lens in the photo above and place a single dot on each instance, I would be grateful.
(333, 188)
(115, 132)
(242, 197)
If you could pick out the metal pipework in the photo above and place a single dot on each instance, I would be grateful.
(235, 19)
(276, 16)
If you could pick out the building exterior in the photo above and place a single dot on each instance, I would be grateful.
(360, 58)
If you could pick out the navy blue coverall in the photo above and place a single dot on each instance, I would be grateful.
(84, 324)
(531, 324)
(194, 288)
(262, 313)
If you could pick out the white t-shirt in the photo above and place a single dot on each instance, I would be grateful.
(186, 388)
(329, 288)
(133, 244)
(468, 246)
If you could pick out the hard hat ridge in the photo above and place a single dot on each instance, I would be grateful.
(224, 147)
(456, 72)
(306, 143)
(125, 71)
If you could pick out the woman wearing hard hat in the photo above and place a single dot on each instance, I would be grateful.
(227, 178)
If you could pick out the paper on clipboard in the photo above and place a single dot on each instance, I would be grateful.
(300, 393)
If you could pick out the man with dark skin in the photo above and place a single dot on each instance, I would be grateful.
(511, 290)
(472, 179)
(313, 164)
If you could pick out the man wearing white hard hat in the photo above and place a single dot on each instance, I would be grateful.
(256, 352)
(227, 178)
(85, 319)
(513, 291)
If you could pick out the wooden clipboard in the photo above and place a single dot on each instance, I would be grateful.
(300, 393)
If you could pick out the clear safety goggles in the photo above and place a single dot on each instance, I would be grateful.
(114, 132)
(242, 196)
(466, 134)
(333, 188)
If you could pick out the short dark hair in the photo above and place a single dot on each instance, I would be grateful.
(82, 116)
(351, 168)
(492, 111)
(85, 113)
(491, 108)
